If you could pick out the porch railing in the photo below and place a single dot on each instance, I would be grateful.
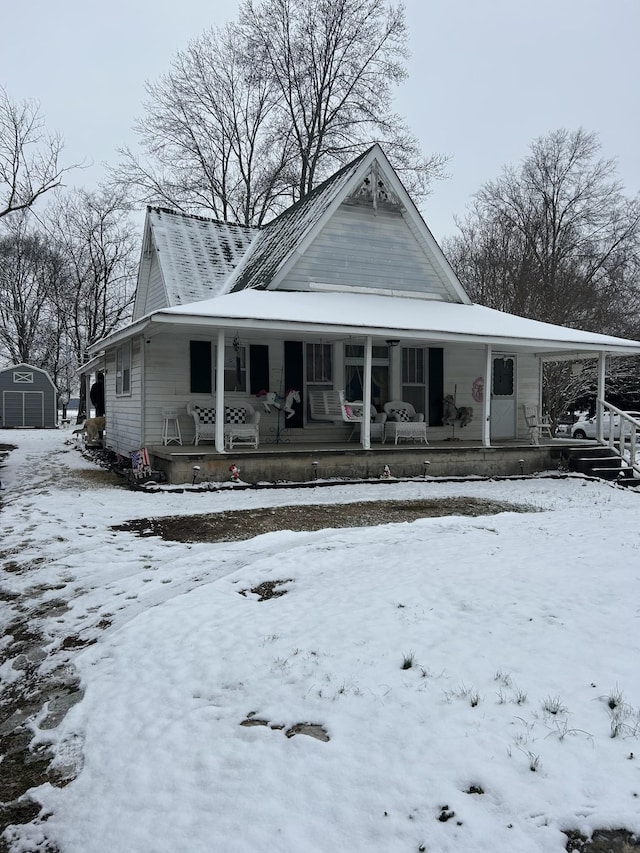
(629, 428)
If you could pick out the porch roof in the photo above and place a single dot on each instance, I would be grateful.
(405, 318)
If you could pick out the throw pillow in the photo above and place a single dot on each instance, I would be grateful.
(206, 416)
(402, 415)
(233, 415)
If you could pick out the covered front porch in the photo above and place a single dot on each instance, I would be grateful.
(306, 462)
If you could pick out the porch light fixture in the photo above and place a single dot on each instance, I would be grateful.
(392, 342)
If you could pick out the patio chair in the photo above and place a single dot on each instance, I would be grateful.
(404, 423)
(376, 425)
(536, 424)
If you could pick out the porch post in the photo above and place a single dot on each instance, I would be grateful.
(486, 397)
(602, 375)
(87, 398)
(220, 392)
(365, 432)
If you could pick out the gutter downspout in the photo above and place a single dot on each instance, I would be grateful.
(143, 401)
(220, 392)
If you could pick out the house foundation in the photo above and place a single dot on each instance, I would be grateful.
(188, 464)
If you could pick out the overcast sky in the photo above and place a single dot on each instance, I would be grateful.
(486, 78)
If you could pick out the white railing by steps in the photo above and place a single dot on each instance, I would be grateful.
(629, 427)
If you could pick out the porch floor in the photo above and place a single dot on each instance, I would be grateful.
(295, 461)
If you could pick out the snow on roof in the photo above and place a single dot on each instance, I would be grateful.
(278, 238)
(358, 313)
(197, 254)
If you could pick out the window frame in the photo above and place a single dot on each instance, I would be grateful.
(231, 352)
(123, 369)
(318, 354)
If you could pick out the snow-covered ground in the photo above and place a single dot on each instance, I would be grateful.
(462, 668)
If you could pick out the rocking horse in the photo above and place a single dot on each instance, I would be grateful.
(272, 398)
(452, 415)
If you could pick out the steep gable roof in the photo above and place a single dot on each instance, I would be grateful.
(279, 238)
(370, 177)
(188, 258)
(195, 256)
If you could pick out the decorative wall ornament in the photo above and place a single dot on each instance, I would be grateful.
(374, 189)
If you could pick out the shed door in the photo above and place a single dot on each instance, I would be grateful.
(503, 397)
(23, 409)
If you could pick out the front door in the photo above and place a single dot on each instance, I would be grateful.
(503, 397)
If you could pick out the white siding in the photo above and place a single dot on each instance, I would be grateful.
(123, 432)
(156, 292)
(462, 365)
(167, 384)
(361, 248)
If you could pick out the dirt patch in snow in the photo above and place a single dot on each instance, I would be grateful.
(244, 524)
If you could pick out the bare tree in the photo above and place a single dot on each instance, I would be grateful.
(208, 135)
(252, 116)
(100, 249)
(30, 271)
(29, 157)
(555, 240)
(336, 64)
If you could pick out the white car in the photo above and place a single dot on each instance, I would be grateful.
(587, 428)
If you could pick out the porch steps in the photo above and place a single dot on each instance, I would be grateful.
(603, 462)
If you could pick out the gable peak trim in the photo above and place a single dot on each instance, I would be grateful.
(375, 189)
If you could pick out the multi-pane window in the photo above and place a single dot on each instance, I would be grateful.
(319, 363)
(414, 377)
(412, 366)
(354, 373)
(123, 369)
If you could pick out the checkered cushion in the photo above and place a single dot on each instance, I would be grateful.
(234, 415)
(401, 415)
(206, 416)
